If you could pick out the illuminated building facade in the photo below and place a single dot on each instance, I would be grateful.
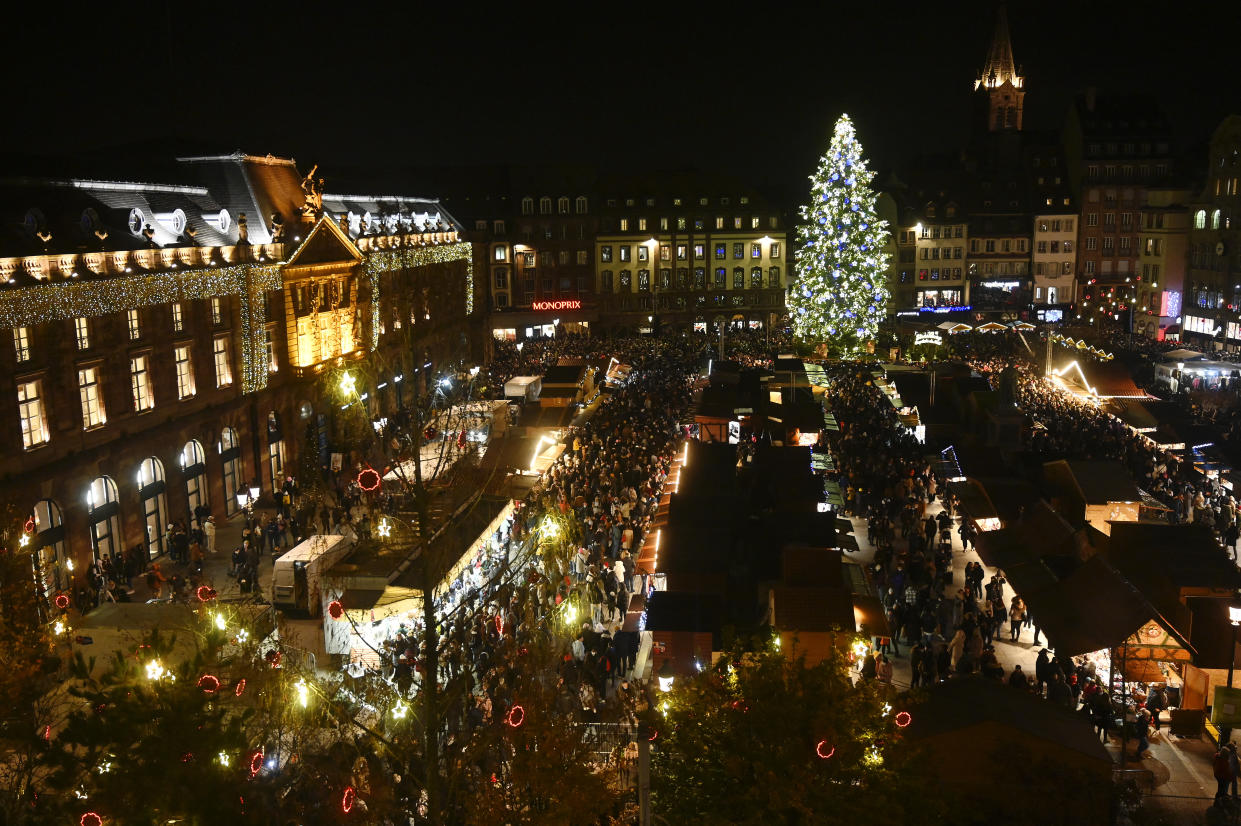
(687, 260)
(1161, 275)
(1212, 301)
(164, 340)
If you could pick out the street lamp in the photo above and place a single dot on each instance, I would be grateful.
(666, 677)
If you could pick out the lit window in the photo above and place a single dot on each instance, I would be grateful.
(178, 322)
(754, 222)
(700, 252)
(756, 250)
(775, 249)
(643, 252)
(223, 369)
(140, 381)
(736, 223)
(134, 320)
(81, 328)
(624, 225)
(624, 253)
(681, 252)
(501, 252)
(269, 348)
(738, 250)
(719, 222)
(30, 411)
(217, 313)
(641, 225)
(21, 343)
(185, 371)
(92, 400)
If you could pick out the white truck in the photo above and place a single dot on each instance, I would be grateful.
(295, 580)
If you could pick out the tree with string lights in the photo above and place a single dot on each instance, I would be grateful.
(841, 293)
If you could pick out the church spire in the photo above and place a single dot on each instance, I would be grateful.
(999, 68)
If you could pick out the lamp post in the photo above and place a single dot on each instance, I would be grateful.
(666, 676)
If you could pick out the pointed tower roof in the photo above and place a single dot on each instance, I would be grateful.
(999, 68)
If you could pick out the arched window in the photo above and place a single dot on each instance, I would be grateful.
(230, 459)
(194, 468)
(738, 278)
(527, 206)
(49, 537)
(104, 513)
(1200, 219)
(153, 493)
(644, 281)
(721, 278)
(773, 277)
(545, 205)
(580, 206)
(562, 205)
(626, 280)
(275, 450)
(1215, 219)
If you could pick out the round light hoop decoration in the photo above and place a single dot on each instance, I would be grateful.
(369, 480)
(91, 819)
(335, 610)
(824, 750)
(347, 799)
(209, 683)
(241, 687)
(903, 719)
(515, 717)
(28, 526)
(205, 593)
(62, 601)
(256, 762)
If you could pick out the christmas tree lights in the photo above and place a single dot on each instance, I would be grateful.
(841, 292)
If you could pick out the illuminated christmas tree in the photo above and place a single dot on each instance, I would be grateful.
(841, 292)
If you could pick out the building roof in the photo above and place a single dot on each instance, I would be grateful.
(999, 67)
(968, 702)
(678, 611)
(1189, 556)
(1098, 481)
(817, 608)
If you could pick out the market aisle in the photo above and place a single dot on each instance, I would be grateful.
(1023, 652)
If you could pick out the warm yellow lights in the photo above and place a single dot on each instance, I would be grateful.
(348, 385)
(223, 759)
(538, 448)
(384, 528)
(155, 669)
(303, 693)
(400, 710)
(59, 628)
(1073, 365)
(860, 648)
(570, 613)
(220, 622)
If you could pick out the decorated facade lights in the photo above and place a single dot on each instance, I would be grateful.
(515, 717)
(369, 479)
(302, 691)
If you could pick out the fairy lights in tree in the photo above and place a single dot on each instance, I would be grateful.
(841, 292)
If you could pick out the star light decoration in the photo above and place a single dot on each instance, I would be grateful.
(384, 528)
(841, 293)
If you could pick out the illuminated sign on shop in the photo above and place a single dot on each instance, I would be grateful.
(566, 304)
(1002, 285)
(928, 338)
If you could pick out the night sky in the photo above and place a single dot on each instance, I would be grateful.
(363, 85)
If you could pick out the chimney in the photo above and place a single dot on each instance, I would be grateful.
(1090, 98)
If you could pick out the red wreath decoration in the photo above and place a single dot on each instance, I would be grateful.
(369, 479)
(515, 717)
(824, 750)
(654, 734)
(348, 799)
(28, 527)
(62, 601)
(903, 719)
(205, 593)
(209, 683)
(335, 610)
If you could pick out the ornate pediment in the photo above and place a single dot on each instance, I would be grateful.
(326, 245)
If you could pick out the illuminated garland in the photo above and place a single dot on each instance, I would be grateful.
(378, 263)
(43, 303)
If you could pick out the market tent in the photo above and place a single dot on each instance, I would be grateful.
(954, 327)
(1022, 325)
(1180, 354)
(991, 327)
